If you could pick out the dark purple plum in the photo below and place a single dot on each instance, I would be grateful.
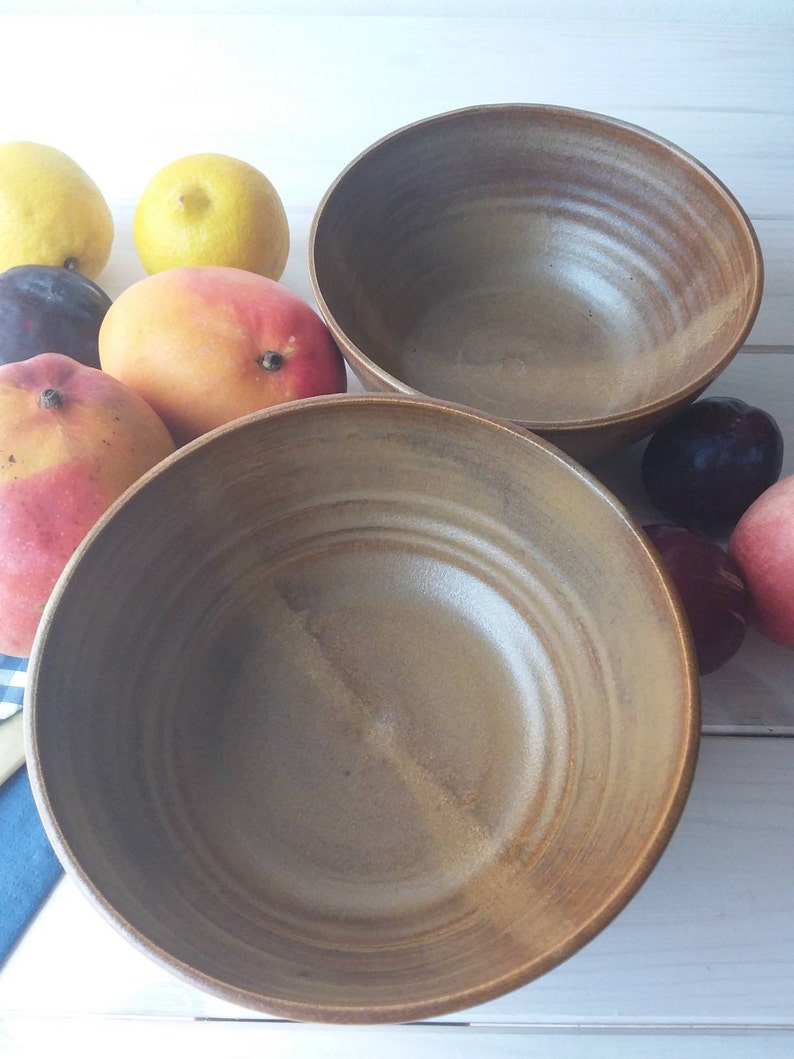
(713, 594)
(46, 309)
(706, 466)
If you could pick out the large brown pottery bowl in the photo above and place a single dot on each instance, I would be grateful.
(568, 271)
(367, 708)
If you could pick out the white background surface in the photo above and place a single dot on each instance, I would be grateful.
(701, 963)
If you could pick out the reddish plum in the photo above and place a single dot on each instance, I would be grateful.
(45, 309)
(711, 588)
(706, 466)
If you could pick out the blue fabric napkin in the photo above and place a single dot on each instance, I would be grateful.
(28, 866)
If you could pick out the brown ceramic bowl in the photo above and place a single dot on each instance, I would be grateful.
(567, 271)
(367, 708)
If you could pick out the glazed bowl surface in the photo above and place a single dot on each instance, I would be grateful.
(362, 709)
(565, 270)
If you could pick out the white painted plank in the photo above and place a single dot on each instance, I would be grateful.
(688, 12)
(123, 1039)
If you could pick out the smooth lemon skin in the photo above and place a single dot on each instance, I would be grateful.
(51, 211)
(212, 209)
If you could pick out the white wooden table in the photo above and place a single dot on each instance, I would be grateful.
(701, 962)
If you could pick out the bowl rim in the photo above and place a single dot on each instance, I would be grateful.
(358, 358)
(675, 799)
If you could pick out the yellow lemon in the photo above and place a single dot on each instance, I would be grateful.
(211, 209)
(51, 211)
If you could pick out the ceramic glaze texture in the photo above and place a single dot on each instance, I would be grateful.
(561, 269)
(396, 713)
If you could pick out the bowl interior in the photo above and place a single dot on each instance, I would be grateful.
(365, 709)
(539, 263)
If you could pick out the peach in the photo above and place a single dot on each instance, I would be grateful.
(206, 344)
(72, 439)
(762, 544)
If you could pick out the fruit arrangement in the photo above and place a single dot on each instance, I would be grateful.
(95, 392)
(714, 470)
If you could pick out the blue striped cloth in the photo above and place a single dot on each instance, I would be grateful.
(28, 867)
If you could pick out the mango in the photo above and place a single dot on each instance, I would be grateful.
(72, 440)
(207, 344)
